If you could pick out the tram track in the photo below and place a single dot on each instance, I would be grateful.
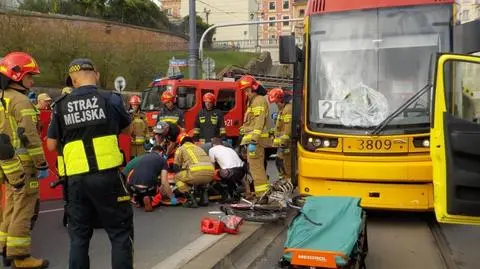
(442, 243)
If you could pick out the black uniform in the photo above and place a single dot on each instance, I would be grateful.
(87, 115)
(209, 124)
(171, 116)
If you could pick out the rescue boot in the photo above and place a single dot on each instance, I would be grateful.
(147, 203)
(191, 200)
(203, 196)
(6, 262)
(29, 263)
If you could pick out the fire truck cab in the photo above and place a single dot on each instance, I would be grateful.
(189, 99)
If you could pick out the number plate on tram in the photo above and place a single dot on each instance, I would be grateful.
(379, 145)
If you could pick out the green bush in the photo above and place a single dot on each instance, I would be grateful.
(55, 48)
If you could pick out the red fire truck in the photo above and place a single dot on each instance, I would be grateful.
(189, 99)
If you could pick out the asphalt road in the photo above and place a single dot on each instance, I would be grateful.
(399, 241)
(158, 235)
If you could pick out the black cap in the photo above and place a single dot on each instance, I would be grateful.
(77, 65)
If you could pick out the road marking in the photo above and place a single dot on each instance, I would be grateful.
(51, 210)
(186, 254)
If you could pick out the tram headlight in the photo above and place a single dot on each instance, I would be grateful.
(317, 142)
(326, 143)
(426, 143)
(314, 143)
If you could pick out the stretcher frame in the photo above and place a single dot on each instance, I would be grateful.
(319, 259)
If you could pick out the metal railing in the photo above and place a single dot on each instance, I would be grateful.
(249, 44)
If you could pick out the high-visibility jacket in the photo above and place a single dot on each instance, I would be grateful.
(209, 124)
(18, 121)
(192, 158)
(140, 128)
(89, 143)
(255, 121)
(172, 116)
(283, 127)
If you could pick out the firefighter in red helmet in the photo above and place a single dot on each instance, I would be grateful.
(209, 122)
(255, 131)
(139, 127)
(169, 112)
(283, 130)
(22, 161)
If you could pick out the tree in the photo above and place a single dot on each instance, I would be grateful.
(137, 12)
(201, 27)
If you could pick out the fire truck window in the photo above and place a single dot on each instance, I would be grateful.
(186, 97)
(226, 99)
(204, 91)
(151, 98)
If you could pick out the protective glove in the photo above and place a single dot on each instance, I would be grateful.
(42, 173)
(252, 147)
(173, 201)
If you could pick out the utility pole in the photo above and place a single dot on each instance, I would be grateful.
(193, 52)
(207, 12)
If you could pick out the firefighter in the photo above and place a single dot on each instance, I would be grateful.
(169, 112)
(192, 167)
(44, 101)
(139, 128)
(283, 128)
(255, 131)
(166, 135)
(84, 129)
(22, 161)
(209, 122)
(147, 176)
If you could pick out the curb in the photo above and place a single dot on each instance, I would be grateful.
(237, 251)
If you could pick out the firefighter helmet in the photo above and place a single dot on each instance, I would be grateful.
(181, 137)
(246, 82)
(276, 95)
(16, 65)
(134, 100)
(184, 134)
(209, 97)
(161, 128)
(167, 96)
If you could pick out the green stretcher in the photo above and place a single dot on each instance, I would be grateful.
(328, 232)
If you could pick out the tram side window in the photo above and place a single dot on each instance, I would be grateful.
(186, 97)
(226, 99)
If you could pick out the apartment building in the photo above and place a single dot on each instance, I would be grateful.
(299, 10)
(467, 10)
(221, 11)
(172, 9)
(276, 10)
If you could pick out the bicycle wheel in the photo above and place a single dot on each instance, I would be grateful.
(254, 215)
(299, 200)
